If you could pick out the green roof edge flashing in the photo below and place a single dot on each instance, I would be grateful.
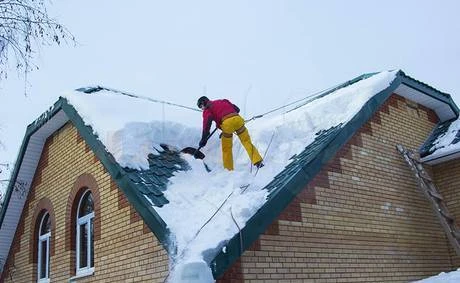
(31, 129)
(257, 224)
(142, 206)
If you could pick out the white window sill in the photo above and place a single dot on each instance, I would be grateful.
(43, 280)
(82, 273)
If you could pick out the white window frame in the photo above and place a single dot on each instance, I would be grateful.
(43, 238)
(88, 269)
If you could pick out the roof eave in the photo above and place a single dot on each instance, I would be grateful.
(430, 91)
(31, 129)
(435, 158)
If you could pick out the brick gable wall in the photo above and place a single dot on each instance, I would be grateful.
(362, 218)
(447, 178)
(125, 250)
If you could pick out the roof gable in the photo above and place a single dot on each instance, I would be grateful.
(140, 191)
(297, 175)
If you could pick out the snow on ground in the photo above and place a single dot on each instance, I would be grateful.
(195, 195)
(443, 144)
(443, 277)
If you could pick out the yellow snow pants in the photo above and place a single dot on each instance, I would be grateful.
(235, 124)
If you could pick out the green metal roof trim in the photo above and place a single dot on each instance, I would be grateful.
(286, 185)
(142, 188)
(429, 90)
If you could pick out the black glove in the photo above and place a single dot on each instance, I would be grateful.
(203, 142)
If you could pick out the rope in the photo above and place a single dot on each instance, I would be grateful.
(147, 98)
(239, 231)
(198, 232)
(308, 98)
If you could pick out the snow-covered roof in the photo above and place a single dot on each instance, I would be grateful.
(443, 144)
(198, 215)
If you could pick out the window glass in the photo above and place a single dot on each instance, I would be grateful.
(85, 232)
(43, 260)
(46, 225)
(86, 205)
(44, 234)
(92, 242)
(83, 246)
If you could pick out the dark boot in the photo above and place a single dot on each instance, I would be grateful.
(259, 164)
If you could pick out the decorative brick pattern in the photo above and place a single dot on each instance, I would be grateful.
(365, 219)
(233, 275)
(125, 251)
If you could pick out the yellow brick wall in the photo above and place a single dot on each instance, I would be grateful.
(125, 251)
(447, 179)
(362, 219)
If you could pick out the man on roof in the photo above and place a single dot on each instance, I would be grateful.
(225, 115)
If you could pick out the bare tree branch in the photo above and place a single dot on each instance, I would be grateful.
(24, 27)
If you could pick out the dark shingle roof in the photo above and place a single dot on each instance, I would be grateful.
(427, 148)
(299, 160)
(153, 182)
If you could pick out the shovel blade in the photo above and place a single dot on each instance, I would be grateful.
(193, 151)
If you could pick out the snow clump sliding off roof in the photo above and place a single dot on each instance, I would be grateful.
(196, 195)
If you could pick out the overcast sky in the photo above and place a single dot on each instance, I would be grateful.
(260, 54)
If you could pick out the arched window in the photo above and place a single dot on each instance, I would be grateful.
(85, 234)
(44, 235)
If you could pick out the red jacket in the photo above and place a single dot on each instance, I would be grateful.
(215, 111)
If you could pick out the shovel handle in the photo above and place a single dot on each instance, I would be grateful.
(209, 136)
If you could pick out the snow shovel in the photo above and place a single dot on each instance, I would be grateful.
(196, 151)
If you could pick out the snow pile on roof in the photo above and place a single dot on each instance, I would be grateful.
(208, 209)
(131, 128)
(443, 277)
(448, 142)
